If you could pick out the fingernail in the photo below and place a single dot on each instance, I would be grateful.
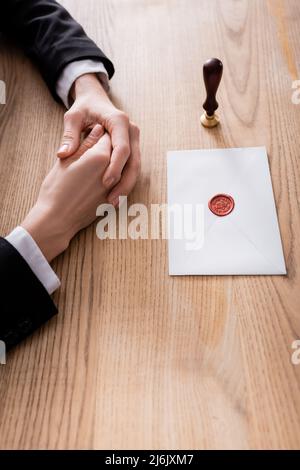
(97, 130)
(109, 181)
(64, 148)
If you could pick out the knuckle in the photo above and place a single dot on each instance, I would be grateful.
(124, 149)
(135, 129)
(121, 116)
(72, 115)
(68, 135)
(67, 116)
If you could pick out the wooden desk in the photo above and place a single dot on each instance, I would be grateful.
(137, 359)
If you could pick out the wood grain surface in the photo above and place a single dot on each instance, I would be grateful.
(137, 359)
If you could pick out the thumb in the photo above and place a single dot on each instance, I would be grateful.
(72, 131)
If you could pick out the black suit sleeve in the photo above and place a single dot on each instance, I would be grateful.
(24, 303)
(49, 35)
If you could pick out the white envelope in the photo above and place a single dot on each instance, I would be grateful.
(247, 241)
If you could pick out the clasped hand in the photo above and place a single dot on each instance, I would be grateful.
(92, 106)
(71, 193)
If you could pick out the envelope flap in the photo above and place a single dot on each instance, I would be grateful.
(225, 252)
(255, 211)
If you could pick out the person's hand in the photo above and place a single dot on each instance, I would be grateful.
(92, 105)
(70, 195)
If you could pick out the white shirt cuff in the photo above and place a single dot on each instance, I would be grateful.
(73, 71)
(29, 250)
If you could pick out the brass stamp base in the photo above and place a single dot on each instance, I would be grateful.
(209, 121)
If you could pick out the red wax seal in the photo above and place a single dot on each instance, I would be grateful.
(221, 204)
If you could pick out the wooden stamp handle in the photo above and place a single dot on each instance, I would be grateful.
(212, 74)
